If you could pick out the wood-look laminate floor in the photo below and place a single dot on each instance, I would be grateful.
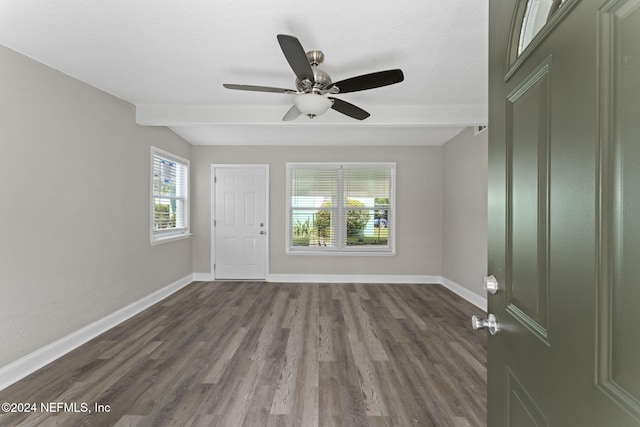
(267, 354)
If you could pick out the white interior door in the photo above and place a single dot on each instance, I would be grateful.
(240, 222)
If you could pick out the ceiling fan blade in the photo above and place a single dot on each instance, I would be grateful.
(296, 56)
(349, 109)
(370, 81)
(258, 88)
(292, 114)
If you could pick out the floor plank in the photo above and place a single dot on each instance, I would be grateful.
(273, 354)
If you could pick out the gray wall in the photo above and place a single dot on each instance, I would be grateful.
(74, 214)
(74, 217)
(419, 209)
(464, 242)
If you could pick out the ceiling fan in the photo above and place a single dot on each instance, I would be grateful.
(314, 85)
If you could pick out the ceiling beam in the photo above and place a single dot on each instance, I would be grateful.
(385, 116)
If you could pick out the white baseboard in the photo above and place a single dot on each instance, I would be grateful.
(203, 277)
(465, 293)
(22, 367)
(352, 278)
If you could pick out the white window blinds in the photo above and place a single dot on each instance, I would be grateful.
(170, 189)
(313, 201)
(367, 192)
(340, 207)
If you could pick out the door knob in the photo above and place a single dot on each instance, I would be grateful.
(491, 323)
(490, 284)
(263, 232)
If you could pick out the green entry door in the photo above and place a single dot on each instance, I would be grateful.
(564, 208)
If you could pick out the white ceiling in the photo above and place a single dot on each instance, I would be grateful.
(170, 58)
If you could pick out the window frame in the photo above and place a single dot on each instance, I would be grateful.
(341, 248)
(516, 58)
(159, 236)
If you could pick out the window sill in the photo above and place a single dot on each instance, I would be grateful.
(339, 253)
(166, 239)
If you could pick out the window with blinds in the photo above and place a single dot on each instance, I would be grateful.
(340, 207)
(169, 196)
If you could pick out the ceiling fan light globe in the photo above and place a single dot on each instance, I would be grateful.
(312, 104)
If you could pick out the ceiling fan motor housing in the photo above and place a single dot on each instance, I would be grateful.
(322, 79)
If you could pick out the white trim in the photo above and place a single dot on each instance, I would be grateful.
(353, 278)
(203, 277)
(167, 239)
(19, 369)
(465, 293)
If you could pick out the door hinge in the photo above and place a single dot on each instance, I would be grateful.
(214, 266)
(214, 222)
(215, 179)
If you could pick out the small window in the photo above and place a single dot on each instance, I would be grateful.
(169, 196)
(537, 14)
(340, 208)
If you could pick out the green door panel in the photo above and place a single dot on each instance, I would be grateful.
(564, 214)
(619, 292)
(527, 192)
